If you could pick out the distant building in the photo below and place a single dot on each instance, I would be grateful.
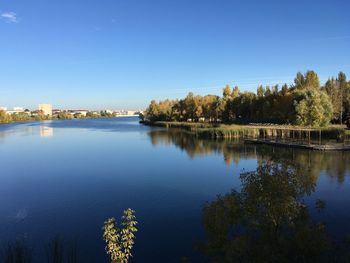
(19, 109)
(82, 112)
(56, 111)
(46, 109)
(15, 110)
(125, 113)
(132, 112)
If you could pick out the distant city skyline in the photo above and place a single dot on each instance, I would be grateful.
(122, 54)
(38, 107)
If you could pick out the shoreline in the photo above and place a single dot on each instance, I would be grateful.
(324, 138)
(56, 119)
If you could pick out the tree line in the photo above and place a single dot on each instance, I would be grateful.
(40, 116)
(21, 117)
(305, 103)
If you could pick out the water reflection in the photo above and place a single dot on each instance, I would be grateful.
(26, 129)
(267, 221)
(165, 188)
(46, 131)
(335, 164)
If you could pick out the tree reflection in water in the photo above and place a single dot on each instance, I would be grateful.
(267, 220)
(335, 164)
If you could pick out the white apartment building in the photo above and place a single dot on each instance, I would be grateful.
(45, 108)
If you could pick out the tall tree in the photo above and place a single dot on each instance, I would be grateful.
(333, 90)
(4, 117)
(191, 106)
(226, 91)
(343, 90)
(260, 91)
(152, 112)
(284, 89)
(314, 109)
(299, 81)
(235, 92)
(311, 80)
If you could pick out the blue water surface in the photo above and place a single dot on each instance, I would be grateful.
(67, 177)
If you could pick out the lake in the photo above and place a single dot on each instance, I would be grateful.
(65, 178)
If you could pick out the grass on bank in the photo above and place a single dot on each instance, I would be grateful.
(215, 130)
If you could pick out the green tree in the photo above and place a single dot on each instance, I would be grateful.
(120, 240)
(165, 110)
(209, 104)
(4, 117)
(346, 100)
(275, 89)
(229, 103)
(179, 110)
(235, 92)
(64, 116)
(152, 112)
(226, 91)
(245, 108)
(333, 90)
(41, 116)
(191, 105)
(260, 91)
(299, 81)
(314, 108)
(78, 115)
(343, 85)
(92, 114)
(267, 91)
(284, 89)
(311, 80)
(21, 116)
(269, 104)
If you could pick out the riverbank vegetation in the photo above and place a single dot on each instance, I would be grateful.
(228, 131)
(57, 250)
(119, 243)
(120, 240)
(6, 118)
(305, 103)
(20, 117)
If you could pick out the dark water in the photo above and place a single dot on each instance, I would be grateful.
(66, 177)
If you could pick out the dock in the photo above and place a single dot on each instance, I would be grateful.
(316, 147)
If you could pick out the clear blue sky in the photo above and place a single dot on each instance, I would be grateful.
(120, 54)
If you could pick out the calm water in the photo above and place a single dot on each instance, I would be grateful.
(66, 177)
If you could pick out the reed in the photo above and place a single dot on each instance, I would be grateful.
(16, 252)
(215, 131)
